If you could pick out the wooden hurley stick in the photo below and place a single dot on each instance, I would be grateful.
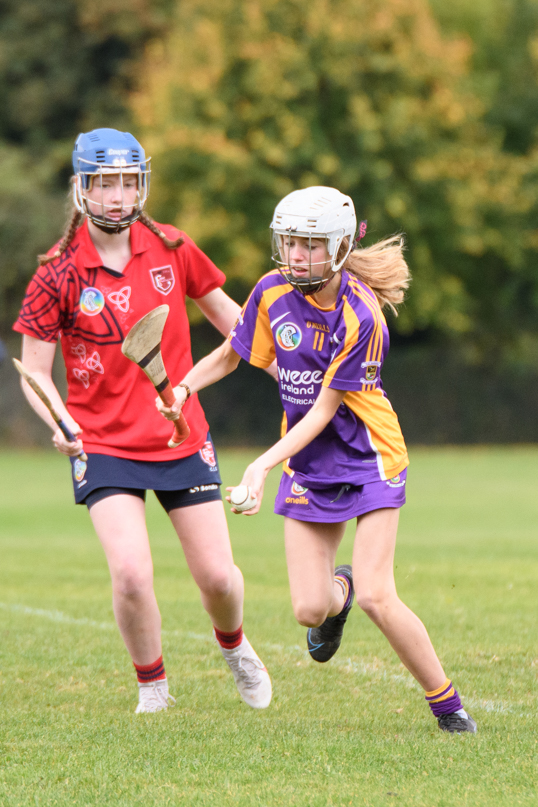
(142, 345)
(30, 380)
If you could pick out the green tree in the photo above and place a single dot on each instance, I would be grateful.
(504, 62)
(245, 101)
(65, 67)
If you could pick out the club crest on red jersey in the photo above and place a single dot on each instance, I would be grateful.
(163, 279)
(207, 453)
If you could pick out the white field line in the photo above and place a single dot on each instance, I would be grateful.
(54, 616)
(58, 616)
(346, 665)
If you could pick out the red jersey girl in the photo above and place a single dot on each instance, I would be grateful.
(113, 265)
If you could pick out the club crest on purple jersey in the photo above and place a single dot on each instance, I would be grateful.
(163, 279)
(288, 336)
(370, 370)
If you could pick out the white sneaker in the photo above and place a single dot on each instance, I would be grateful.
(251, 677)
(153, 696)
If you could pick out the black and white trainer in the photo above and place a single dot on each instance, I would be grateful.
(457, 722)
(324, 641)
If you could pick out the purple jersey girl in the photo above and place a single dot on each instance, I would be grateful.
(320, 315)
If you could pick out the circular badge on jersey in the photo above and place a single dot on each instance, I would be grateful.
(92, 301)
(288, 336)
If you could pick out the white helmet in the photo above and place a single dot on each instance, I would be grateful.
(320, 213)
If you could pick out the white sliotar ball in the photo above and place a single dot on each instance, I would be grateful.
(241, 498)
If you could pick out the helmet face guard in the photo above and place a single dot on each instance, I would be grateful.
(86, 179)
(105, 152)
(314, 214)
(320, 273)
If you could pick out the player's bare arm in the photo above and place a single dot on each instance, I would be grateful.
(222, 313)
(313, 423)
(38, 358)
(216, 365)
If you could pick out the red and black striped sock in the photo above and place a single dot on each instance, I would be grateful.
(150, 672)
(229, 641)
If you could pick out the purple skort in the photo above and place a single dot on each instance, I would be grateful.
(339, 502)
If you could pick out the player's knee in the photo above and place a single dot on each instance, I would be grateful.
(309, 615)
(218, 584)
(372, 602)
(131, 582)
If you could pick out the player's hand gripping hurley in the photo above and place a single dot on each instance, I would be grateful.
(143, 346)
(32, 383)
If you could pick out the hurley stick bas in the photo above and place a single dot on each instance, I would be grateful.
(143, 346)
(30, 380)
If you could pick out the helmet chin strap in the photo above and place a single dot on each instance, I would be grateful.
(114, 227)
(308, 285)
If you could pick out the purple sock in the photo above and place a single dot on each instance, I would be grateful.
(341, 578)
(445, 700)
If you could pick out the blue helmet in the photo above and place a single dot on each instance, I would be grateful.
(108, 151)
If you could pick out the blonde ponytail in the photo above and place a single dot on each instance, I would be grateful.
(383, 268)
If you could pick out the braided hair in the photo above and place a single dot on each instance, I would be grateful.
(148, 222)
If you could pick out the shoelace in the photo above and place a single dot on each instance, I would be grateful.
(155, 696)
(251, 679)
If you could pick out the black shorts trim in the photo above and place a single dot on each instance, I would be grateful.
(169, 499)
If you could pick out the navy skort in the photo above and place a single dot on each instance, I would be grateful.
(176, 483)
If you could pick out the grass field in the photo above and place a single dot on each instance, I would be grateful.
(353, 732)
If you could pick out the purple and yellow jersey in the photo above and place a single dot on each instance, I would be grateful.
(342, 347)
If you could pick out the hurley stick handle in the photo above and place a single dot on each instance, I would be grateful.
(181, 427)
(32, 383)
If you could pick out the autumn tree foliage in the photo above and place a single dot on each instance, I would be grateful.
(246, 100)
(65, 67)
